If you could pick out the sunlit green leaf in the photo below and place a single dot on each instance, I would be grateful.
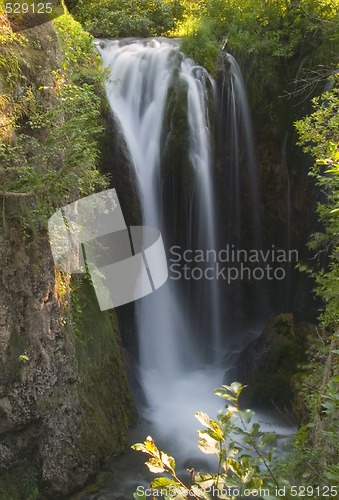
(155, 465)
(164, 482)
(248, 415)
(207, 444)
(206, 480)
(168, 461)
(203, 418)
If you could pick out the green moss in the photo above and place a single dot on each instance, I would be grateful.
(103, 390)
(175, 159)
(52, 403)
(10, 371)
(93, 488)
(274, 378)
(20, 483)
(276, 357)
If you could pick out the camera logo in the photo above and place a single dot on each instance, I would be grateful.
(125, 263)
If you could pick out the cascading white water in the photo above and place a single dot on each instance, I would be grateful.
(137, 92)
(241, 130)
(141, 73)
(200, 155)
(236, 153)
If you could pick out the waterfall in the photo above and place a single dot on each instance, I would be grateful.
(239, 180)
(241, 171)
(148, 80)
(164, 105)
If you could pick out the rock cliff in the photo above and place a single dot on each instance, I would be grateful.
(65, 406)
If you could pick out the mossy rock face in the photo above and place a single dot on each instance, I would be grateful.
(177, 180)
(65, 405)
(25, 484)
(115, 160)
(176, 175)
(104, 394)
(175, 133)
(267, 364)
(10, 371)
(64, 401)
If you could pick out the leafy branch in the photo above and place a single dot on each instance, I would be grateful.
(238, 444)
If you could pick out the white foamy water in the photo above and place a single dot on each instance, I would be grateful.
(141, 73)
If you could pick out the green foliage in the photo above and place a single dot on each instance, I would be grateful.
(10, 43)
(81, 63)
(10, 46)
(202, 45)
(245, 455)
(117, 18)
(23, 358)
(52, 151)
(193, 12)
(266, 36)
(317, 444)
(319, 134)
(314, 459)
(274, 27)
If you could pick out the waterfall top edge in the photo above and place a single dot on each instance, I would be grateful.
(121, 42)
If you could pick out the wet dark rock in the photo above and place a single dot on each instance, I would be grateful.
(267, 364)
